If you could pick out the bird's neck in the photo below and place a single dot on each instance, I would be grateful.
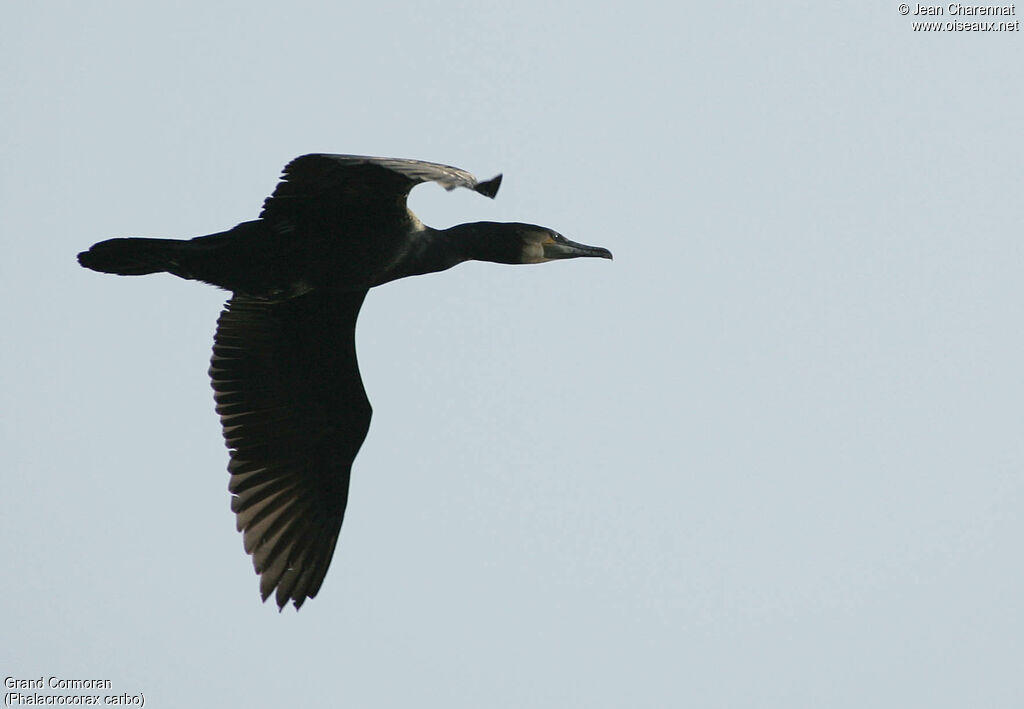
(476, 241)
(436, 250)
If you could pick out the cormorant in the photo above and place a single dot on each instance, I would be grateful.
(284, 372)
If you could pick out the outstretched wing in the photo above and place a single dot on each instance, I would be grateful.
(294, 412)
(360, 186)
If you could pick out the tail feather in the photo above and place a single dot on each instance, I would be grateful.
(134, 256)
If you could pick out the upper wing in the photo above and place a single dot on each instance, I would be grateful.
(294, 411)
(360, 185)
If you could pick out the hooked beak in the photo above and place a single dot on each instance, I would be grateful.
(563, 248)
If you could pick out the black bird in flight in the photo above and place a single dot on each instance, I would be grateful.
(284, 371)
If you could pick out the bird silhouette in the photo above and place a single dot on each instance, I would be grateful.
(284, 371)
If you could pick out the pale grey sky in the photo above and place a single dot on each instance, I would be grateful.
(770, 456)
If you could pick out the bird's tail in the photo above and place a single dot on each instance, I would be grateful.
(135, 256)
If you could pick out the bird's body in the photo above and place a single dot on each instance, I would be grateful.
(284, 369)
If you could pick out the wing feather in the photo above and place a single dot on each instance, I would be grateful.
(294, 412)
(360, 186)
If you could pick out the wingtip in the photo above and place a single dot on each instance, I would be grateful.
(490, 187)
(280, 603)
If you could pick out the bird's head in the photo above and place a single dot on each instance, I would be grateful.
(540, 245)
(511, 242)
